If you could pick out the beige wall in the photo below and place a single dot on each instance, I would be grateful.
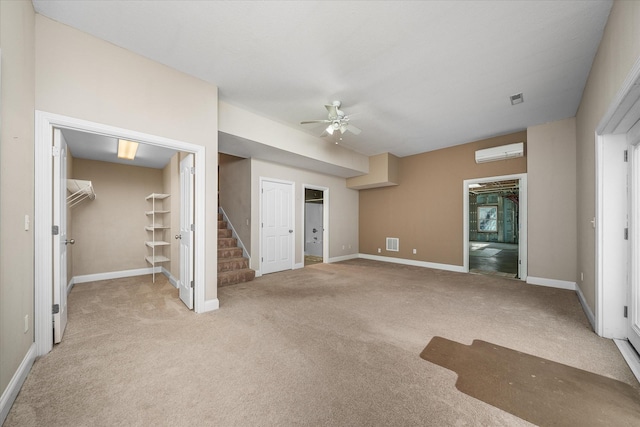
(551, 176)
(343, 209)
(80, 76)
(109, 231)
(618, 51)
(425, 210)
(235, 194)
(16, 185)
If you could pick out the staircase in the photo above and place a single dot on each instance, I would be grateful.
(232, 266)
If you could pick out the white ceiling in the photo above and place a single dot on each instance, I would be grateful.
(105, 148)
(414, 76)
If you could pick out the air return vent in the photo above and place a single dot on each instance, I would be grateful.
(393, 244)
(517, 98)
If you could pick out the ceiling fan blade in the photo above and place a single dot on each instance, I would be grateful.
(306, 122)
(351, 128)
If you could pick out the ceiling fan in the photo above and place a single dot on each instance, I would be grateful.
(337, 120)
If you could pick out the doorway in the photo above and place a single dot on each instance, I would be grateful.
(44, 206)
(314, 225)
(495, 231)
(617, 223)
(494, 228)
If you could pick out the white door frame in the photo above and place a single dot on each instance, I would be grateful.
(325, 219)
(293, 219)
(522, 221)
(621, 115)
(44, 124)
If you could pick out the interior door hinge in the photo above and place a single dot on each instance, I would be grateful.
(193, 227)
(193, 170)
(626, 311)
(56, 308)
(55, 151)
(192, 284)
(626, 155)
(55, 230)
(626, 233)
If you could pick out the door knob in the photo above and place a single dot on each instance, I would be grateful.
(69, 241)
(178, 236)
(290, 231)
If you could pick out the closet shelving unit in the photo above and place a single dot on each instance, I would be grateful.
(157, 228)
(80, 190)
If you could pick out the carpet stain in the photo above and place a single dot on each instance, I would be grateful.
(540, 391)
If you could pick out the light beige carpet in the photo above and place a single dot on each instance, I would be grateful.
(330, 344)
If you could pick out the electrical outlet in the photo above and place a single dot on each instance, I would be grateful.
(379, 250)
(343, 247)
(26, 323)
(26, 223)
(581, 276)
(415, 251)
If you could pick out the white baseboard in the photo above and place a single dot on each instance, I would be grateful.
(211, 305)
(434, 265)
(586, 308)
(551, 283)
(70, 285)
(13, 388)
(115, 274)
(343, 258)
(172, 280)
(298, 265)
(630, 356)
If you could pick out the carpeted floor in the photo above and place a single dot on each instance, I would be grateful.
(330, 344)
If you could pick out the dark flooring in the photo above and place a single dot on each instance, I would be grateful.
(493, 258)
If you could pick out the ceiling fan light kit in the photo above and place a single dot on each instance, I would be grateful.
(336, 119)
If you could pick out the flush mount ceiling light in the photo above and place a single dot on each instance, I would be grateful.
(127, 149)
(516, 99)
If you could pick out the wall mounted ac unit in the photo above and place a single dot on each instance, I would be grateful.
(503, 152)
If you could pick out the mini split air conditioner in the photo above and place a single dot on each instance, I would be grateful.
(503, 152)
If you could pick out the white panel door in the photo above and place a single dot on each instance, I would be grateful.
(633, 305)
(186, 231)
(59, 239)
(277, 226)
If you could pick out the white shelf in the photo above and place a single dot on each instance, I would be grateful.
(157, 196)
(156, 212)
(80, 190)
(153, 227)
(156, 243)
(156, 259)
(157, 231)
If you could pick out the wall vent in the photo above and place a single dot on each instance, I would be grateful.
(393, 244)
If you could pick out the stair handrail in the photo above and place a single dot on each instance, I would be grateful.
(245, 253)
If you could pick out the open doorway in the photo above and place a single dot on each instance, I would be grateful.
(495, 226)
(315, 220)
(45, 260)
